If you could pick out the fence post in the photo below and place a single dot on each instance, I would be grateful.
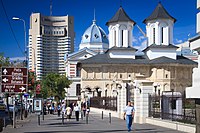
(102, 115)
(38, 119)
(62, 118)
(110, 118)
(81, 115)
(43, 115)
(86, 119)
(172, 104)
(4, 120)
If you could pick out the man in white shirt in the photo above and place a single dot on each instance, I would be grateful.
(77, 109)
(129, 115)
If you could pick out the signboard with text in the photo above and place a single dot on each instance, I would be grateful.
(14, 79)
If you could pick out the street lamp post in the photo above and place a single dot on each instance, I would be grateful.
(25, 49)
(16, 18)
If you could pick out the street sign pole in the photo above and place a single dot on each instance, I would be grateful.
(14, 112)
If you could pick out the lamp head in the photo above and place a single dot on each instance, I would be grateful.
(16, 18)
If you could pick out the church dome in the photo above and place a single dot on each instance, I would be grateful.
(94, 34)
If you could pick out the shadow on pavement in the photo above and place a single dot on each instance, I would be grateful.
(82, 131)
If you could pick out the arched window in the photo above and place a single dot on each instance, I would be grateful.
(78, 70)
(162, 29)
(98, 90)
(122, 36)
(115, 37)
(154, 35)
(78, 90)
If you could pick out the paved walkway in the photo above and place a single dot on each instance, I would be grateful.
(53, 124)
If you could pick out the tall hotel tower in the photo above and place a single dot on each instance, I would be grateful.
(50, 39)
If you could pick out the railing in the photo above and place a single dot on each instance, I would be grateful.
(168, 108)
(109, 103)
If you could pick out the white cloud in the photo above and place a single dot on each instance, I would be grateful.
(142, 46)
(17, 58)
(141, 38)
(134, 40)
(178, 41)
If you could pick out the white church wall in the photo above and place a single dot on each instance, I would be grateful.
(72, 88)
(195, 44)
(194, 91)
(156, 53)
(121, 54)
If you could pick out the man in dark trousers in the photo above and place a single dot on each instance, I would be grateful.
(129, 115)
(59, 109)
(76, 109)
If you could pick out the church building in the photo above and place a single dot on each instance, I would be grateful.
(115, 68)
(104, 73)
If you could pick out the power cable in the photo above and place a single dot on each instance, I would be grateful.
(12, 28)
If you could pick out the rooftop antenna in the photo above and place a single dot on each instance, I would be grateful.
(50, 7)
(141, 30)
(94, 20)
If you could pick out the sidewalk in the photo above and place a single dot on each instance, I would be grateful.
(53, 124)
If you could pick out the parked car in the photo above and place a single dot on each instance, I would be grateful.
(2, 107)
(11, 108)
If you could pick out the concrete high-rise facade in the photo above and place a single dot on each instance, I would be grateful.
(50, 39)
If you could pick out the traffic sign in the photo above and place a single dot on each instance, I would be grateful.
(14, 79)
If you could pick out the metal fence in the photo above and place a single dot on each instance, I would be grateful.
(172, 107)
(109, 103)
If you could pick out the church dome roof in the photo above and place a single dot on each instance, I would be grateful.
(159, 13)
(120, 16)
(94, 34)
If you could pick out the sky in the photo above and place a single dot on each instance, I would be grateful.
(12, 31)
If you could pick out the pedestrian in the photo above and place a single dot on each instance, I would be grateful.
(88, 110)
(63, 108)
(76, 109)
(68, 112)
(59, 109)
(129, 115)
(84, 108)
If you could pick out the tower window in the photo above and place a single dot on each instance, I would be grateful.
(96, 36)
(115, 38)
(122, 37)
(86, 36)
(154, 35)
(162, 29)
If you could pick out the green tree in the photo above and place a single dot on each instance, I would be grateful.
(62, 82)
(4, 61)
(53, 85)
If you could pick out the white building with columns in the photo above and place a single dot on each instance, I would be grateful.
(94, 41)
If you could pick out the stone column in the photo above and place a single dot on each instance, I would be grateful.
(141, 100)
(121, 100)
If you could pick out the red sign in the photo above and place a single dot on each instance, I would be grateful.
(38, 89)
(14, 79)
